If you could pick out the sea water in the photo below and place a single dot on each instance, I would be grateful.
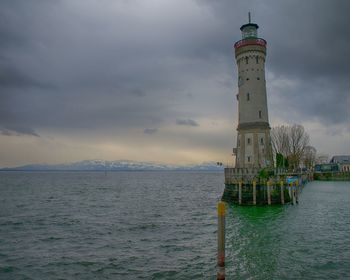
(163, 225)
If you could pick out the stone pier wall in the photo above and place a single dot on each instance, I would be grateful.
(267, 191)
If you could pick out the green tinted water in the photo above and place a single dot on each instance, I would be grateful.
(308, 241)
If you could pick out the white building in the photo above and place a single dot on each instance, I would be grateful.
(343, 162)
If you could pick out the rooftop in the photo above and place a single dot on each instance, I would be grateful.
(340, 159)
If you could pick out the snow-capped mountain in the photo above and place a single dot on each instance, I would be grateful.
(118, 165)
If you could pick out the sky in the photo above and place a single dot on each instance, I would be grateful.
(155, 80)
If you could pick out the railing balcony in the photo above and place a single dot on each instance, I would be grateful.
(250, 41)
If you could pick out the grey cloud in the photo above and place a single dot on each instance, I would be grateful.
(187, 122)
(17, 131)
(107, 77)
(11, 77)
(150, 130)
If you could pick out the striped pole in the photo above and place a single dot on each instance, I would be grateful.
(221, 241)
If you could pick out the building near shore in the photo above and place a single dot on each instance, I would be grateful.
(342, 161)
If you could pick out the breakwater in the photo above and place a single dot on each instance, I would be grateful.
(251, 190)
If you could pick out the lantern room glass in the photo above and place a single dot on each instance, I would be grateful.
(249, 32)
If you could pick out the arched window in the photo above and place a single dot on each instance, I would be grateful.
(246, 60)
(248, 96)
(260, 115)
(257, 59)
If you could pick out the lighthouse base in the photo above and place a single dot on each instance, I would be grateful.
(244, 194)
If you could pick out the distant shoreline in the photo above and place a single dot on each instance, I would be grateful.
(113, 171)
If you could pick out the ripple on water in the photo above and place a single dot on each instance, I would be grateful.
(163, 226)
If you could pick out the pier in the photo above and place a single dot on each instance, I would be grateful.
(243, 186)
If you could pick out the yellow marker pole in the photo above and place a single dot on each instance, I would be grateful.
(221, 241)
(268, 193)
(240, 192)
(282, 192)
(254, 192)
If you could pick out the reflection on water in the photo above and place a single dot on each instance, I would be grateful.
(253, 241)
(307, 241)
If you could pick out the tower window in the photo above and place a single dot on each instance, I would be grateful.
(260, 115)
(262, 141)
(240, 81)
(246, 60)
(247, 79)
(248, 96)
(257, 59)
(248, 141)
(258, 78)
(248, 158)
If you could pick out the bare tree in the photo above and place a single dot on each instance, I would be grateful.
(299, 140)
(309, 157)
(280, 140)
(291, 142)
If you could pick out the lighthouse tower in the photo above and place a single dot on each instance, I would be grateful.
(253, 139)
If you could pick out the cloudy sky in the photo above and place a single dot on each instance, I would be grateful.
(155, 80)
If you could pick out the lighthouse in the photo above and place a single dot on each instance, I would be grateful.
(253, 180)
(253, 149)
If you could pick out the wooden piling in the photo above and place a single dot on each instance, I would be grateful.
(254, 192)
(297, 191)
(240, 192)
(290, 192)
(293, 194)
(282, 192)
(268, 193)
(221, 241)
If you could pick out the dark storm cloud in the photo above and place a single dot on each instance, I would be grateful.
(150, 130)
(117, 64)
(187, 122)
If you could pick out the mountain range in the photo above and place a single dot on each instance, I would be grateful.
(117, 165)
